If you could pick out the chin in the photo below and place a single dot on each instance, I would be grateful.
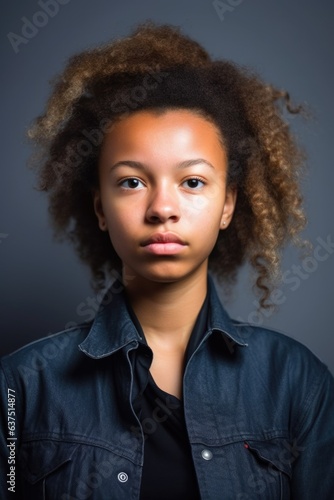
(166, 271)
(167, 274)
(162, 278)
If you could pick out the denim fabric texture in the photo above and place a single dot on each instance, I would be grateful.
(259, 410)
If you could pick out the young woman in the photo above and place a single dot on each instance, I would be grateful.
(162, 164)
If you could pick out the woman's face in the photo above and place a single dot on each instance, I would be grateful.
(163, 196)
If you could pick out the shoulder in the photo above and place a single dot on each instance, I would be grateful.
(267, 341)
(285, 363)
(275, 366)
(278, 350)
(259, 345)
(56, 351)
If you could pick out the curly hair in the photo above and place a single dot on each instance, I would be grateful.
(160, 68)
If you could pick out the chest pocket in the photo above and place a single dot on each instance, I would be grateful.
(245, 470)
(271, 465)
(42, 464)
(61, 470)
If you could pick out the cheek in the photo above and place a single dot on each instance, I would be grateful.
(115, 210)
(211, 199)
(119, 237)
(204, 208)
(123, 222)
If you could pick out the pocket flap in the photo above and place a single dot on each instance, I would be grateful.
(277, 452)
(40, 458)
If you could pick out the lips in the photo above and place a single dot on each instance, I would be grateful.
(163, 238)
(164, 244)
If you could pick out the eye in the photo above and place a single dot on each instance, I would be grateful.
(194, 183)
(131, 183)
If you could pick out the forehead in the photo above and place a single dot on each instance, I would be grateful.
(159, 143)
(170, 128)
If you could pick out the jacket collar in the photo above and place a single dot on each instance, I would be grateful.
(113, 329)
(220, 321)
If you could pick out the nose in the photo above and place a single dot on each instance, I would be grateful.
(163, 205)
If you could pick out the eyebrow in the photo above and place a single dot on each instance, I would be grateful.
(141, 166)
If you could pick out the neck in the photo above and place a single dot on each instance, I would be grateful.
(167, 312)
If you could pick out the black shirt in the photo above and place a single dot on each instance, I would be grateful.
(168, 471)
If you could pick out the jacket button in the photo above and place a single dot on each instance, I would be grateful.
(122, 477)
(206, 454)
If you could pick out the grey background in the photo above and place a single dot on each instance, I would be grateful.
(289, 42)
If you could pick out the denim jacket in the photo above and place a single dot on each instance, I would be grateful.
(259, 410)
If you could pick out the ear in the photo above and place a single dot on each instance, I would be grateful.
(229, 206)
(98, 209)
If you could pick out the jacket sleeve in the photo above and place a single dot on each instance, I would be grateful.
(313, 449)
(9, 481)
